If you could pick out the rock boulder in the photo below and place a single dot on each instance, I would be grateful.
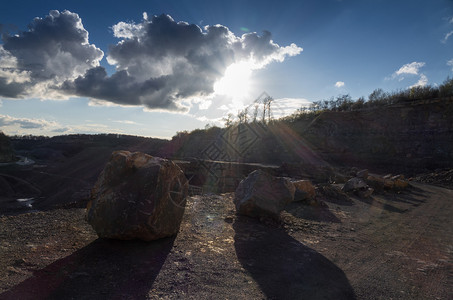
(137, 196)
(354, 184)
(261, 194)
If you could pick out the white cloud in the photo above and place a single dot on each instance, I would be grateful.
(339, 84)
(285, 106)
(205, 105)
(127, 30)
(205, 119)
(447, 36)
(422, 81)
(128, 122)
(450, 63)
(6, 120)
(412, 68)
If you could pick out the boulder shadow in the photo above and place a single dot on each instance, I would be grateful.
(104, 269)
(320, 213)
(378, 202)
(283, 267)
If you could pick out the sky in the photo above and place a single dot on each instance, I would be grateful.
(156, 67)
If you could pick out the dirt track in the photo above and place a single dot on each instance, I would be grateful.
(393, 246)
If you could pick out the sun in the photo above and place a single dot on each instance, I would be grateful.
(236, 81)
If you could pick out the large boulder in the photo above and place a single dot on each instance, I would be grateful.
(261, 194)
(137, 196)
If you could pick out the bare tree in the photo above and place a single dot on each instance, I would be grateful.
(255, 112)
(228, 120)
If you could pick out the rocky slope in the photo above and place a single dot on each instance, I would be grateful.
(409, 138)
(412, 137)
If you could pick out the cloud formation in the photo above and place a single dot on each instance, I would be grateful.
(339, 84)
(54, 49)
(447, 36)
(412, 68)
(26, 123)
(450, 64)
(160, 62)
(422, 81)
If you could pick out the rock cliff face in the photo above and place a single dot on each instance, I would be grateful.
(6, 150)
(410, 137)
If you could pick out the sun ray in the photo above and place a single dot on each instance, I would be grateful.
(236, 81)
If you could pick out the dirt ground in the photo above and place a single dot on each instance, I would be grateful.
(390, 246)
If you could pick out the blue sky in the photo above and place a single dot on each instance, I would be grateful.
(133, 67)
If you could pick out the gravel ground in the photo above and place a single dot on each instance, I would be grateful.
(390, 246)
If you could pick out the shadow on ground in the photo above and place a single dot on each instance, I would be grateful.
(105, 269)
(283, 267)
(315, 213)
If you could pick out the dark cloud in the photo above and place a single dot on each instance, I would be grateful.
(161, 62)
(11, 89)
(54, 49)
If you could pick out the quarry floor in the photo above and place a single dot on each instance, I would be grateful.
(390, 246)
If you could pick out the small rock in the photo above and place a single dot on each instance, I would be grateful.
(400, 184)
(388, 183)
(365, 193)
(363, 174)
(354, 184)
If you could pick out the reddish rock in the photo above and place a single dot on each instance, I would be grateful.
(137, 196)
(304, 190)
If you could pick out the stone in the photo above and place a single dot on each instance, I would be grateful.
(354, 184)
(137, 196)
(400, 184)
(400, 176)
(365, 193)
(362, 174)
(333, 193)
(304, 190)
(261, 194)
(375, 178)
(389, 183)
